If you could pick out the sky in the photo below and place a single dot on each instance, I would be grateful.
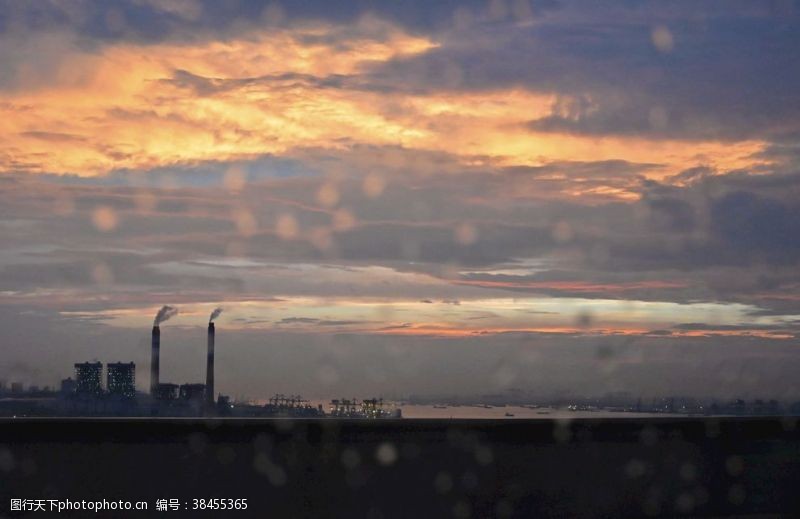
(550, 197)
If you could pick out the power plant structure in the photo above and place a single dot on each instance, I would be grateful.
(163, 314)
(165, 396)
(201, 399)
(210, 400)
(86, 396)
(155, 353)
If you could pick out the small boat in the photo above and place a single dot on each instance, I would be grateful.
(509, 414)
(440, 407)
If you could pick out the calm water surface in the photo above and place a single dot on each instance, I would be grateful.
(478, 412)
(461, 412)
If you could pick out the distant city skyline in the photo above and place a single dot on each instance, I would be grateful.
(392, 198)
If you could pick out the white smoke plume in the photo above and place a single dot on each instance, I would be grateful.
(214, 314)
(164, 314)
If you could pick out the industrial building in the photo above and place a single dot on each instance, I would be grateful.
(194, 392)
(121, 379)
(89, 378)
(166, 392)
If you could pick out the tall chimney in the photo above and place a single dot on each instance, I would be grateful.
(210, 398)
(154, 361)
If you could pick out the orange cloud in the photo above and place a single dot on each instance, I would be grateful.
(458, 331)
(452, 331)
(144, 106)
(119, 109)
(762, 334)
(493, 124)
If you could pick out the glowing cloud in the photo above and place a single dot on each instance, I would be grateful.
(144, 106)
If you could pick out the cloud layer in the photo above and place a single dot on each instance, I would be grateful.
(474, 173)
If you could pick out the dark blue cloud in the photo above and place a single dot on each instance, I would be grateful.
(155, 21)
(726, 77)
(758, 227)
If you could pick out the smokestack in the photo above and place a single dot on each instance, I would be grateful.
(154, 360)
(165, 313)
(210, 398)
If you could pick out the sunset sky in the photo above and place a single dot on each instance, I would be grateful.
(451, 197)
